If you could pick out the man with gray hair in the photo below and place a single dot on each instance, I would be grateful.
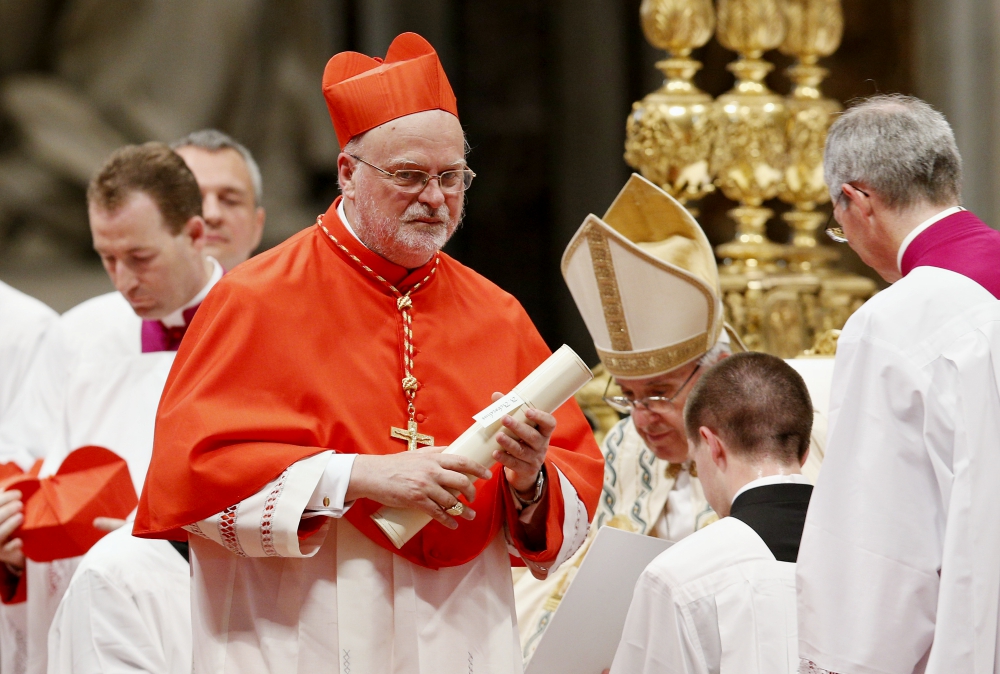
(232, 193)
(899, 567)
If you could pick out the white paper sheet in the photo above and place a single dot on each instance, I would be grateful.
(587, 626)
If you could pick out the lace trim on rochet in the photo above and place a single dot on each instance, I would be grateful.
(227, 531)
(266, 519)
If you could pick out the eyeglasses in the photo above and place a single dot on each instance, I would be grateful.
(626, 405)
(413, 181)
(834, 231)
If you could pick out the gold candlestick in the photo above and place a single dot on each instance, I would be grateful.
(748, 156)
(668, 134)
(815, 28)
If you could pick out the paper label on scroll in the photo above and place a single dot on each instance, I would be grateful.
(506, 405)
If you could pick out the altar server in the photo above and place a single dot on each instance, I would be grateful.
(645, 280)
(128, 605)
(23, 322)
(102, 366)
(899, 569)
(308, 374)
(723, 599)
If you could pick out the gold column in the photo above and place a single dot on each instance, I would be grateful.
(815, 28)
(749, 153)
(668, 134)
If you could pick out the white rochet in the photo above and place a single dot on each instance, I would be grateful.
(550, 385)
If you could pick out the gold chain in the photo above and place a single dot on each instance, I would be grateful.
(403, 304)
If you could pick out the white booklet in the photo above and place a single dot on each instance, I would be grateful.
(585, 630)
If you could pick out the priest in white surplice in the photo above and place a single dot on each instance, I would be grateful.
(23, 322)
(723, 599)
(298, 400)
(647, 264)
(899, 568)
(128, 605)
(101, 368)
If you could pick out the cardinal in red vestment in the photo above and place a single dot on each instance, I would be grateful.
(320, 381)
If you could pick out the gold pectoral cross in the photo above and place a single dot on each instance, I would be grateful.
(411, 435)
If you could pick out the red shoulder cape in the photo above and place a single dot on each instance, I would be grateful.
(298, 351)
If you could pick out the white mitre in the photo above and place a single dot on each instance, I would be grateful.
(645, 280)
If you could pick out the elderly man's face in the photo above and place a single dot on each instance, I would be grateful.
(405, 228)
(661, 426)
(156, 270)
(229, 204)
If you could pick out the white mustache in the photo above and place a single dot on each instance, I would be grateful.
(419, 211)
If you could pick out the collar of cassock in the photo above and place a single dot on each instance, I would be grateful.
(166, 334)
(335, 220)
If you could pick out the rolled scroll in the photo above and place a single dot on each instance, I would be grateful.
(550, 385)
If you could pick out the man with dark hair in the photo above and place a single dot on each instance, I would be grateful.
(128, 606)
(900, 563)
(723, 599)
(101, 369)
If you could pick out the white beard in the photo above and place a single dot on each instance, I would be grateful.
(404, 241)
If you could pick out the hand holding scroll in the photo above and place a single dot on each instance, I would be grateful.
(523, 457)
(424, 480)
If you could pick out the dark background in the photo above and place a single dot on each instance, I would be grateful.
(543, 86)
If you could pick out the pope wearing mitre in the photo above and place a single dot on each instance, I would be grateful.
(319, 382)
(645, 281)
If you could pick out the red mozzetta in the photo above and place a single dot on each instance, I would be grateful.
(299, 350)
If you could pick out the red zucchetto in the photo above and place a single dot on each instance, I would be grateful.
(363, 92)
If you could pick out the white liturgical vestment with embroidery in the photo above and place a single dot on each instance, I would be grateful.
(265, 601)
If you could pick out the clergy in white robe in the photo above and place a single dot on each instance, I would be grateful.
(23, 322)
(899, 570)
(650, 485)
(101, 368)
(723, 600)
(128, 605)
(127, 609)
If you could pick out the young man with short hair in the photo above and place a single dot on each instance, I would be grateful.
(723, 599)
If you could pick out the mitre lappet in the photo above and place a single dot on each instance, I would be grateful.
(645, 281)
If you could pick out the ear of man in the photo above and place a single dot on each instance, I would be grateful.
(194, 231)
(717, 449)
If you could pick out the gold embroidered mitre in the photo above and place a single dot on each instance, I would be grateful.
(645, 280)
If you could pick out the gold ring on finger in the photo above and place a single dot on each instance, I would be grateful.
(456, 509)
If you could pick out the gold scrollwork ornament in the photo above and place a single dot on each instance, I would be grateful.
(668, 134)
